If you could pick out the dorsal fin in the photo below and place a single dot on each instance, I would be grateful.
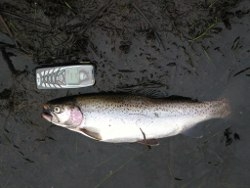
(180, 98)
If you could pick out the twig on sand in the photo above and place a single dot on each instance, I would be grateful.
(240, 72)
(6, 57)
(22, 18)
(207, 55)
(8, 30)
(150, 24)
(95, 17)
(204, 33)
(6, 26)
(112, 173)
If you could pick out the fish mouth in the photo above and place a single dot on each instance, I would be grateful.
(46, 113)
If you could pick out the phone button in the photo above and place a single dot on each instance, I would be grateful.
(56, 69)
(83, 76)
(38, 79)
(52, 79)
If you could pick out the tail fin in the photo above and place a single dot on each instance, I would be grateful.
(222, 108)
(237, 95)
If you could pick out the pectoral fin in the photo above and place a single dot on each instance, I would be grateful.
(92, 134)
(149, 142)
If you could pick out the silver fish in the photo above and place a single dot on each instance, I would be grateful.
(125, 118)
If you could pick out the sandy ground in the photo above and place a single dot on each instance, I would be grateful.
(197, 49)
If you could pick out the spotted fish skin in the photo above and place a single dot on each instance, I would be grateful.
(125, 118)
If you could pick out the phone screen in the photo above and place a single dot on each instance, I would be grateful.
(72, 76)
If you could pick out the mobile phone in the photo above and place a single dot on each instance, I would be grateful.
(71, 76)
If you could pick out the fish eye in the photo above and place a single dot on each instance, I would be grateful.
(57, 109)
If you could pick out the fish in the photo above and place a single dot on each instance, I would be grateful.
(125, 118)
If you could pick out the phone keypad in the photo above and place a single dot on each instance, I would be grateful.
(52, 78)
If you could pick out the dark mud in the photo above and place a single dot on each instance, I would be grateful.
(198, 49)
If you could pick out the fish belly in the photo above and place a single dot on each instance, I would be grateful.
(114, 128)
(132, 128)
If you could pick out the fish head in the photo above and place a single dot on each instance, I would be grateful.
(63, 114)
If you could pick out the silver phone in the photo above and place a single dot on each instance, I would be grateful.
(72, 76)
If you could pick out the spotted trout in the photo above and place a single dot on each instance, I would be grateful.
(125, 118)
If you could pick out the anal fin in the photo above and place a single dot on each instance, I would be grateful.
(196, 131)
(149, 142)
